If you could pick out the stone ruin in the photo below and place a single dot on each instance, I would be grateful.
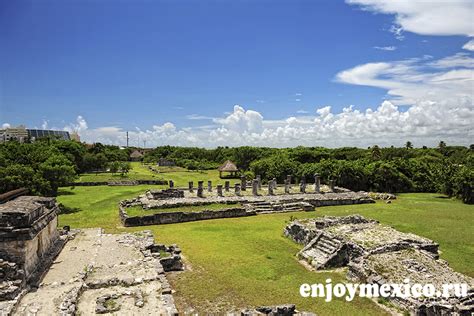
(250, 204)
(29, 241)
(99, 273)
(278, 310)
(379, 254)
(165, 194)
(94, 273)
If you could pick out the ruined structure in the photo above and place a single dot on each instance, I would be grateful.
(29, 241)
(251, 203)
(379, 254)
(101, 273)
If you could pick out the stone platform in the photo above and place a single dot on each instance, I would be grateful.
(379, 254)
(251, 205)
(99, 273)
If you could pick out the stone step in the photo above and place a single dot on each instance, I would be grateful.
(263, 209)
(327, 245)
(330, 241)
(324, 249)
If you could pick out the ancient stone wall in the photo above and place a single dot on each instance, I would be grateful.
(120, 182)
(180, 217)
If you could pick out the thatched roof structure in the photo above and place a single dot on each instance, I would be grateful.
(228, 166)
(136, 155)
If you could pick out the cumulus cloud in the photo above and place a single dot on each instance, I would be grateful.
(438, 17)
(6, 125)
(242, 121)
(469, 45)
(436, 96)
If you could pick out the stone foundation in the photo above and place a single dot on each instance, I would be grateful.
(380, 254)
(29, 241)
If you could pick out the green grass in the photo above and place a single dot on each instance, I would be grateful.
(137, 172)
(179, 175)
(247, 261)
(97, 206)
(139, 211)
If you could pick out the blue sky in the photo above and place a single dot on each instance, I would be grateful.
(172, 71)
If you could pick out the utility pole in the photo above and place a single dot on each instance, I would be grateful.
(127, 139)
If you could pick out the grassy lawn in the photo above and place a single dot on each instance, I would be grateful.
(246, 261)
(97, 205)
(179, 175)
(137, 172)
(139, 211)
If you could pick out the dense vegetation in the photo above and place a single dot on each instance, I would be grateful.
(45, 165)
(446, 169)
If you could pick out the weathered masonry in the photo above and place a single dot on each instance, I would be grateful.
(28, 242)
(378, 254)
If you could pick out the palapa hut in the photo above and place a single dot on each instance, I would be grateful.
(136, 156)
(228, 166)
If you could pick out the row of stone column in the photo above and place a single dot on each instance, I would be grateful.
(256, 186)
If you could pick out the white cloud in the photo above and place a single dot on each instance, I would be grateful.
(436, 17)
(469, 45)
(240, 120)
(297, 100)
(386, 48)
(198, 117)
(397, 31)
(411, 81)
(437, 93)
(6, 125)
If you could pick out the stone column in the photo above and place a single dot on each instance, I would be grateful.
(219, 190)
(237, 189)
(270, 187)
(171, 184)
(317, 183)
(332, 184)
(191, 186)
(227, 186)
(255, 187)
(274, 181)
(259, 179)
(288, 178)
(287, 187)
(200, 190)
(243, 183)
(303, 186)
(209, 186)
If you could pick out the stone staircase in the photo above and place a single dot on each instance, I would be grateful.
(278, 207)
(320, 251)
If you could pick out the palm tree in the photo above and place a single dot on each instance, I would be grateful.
(409, 145)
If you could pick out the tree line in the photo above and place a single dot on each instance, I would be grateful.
(45, 165)
(444, 169)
